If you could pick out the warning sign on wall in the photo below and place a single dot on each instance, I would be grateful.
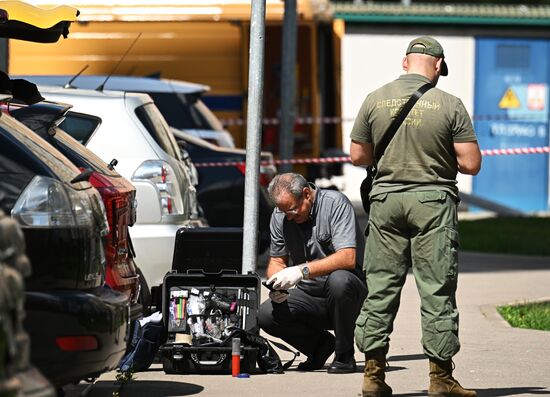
(536, 96)
(509, 100)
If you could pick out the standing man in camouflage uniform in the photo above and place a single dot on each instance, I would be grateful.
(413, 218)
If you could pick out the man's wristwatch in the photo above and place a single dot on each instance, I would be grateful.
(305, 271)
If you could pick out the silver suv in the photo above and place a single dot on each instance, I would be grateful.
(128, 127)
(179, 101)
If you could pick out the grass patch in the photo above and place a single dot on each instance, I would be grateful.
(521, 236)
(530, 315)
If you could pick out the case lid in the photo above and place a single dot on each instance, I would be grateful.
(209, 249)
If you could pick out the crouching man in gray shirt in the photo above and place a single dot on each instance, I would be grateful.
(317, 246)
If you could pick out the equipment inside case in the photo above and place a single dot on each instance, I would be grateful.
(199, 316)
(201, 311)
(205, 300)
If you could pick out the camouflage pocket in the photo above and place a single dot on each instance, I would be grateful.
(452, 252)
(433, 199)
(360, 331)
(379, 197)
(370, 333)
(441, 339)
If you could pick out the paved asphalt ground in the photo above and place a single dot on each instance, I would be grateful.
(495, 359)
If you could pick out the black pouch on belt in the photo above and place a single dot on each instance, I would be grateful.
(366, 187)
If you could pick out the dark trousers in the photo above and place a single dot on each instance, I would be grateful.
(303, 320)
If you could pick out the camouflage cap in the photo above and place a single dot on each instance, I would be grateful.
(429, 46)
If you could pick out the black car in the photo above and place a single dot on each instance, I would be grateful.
(117, 193)
(220, 189)
(77, 324)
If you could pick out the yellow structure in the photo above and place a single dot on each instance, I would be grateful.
(205, 41)
(41, 17)
(24, 21)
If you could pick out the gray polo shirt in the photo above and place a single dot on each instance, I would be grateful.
(332, 227)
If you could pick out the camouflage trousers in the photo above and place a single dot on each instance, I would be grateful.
(415, 230)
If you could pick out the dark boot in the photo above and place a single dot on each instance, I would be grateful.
(374, 384)
(442, 383)
(323, 351)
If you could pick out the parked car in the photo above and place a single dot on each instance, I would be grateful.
(117, 193)
(179, 101)
(228, 182)
(77, 324)
(128, 127)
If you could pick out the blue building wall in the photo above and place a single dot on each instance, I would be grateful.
(511, 111)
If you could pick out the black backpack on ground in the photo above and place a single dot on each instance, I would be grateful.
(145, 343)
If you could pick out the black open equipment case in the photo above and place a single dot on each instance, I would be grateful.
(204, 298)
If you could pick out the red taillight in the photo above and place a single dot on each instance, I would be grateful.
(77, 343)
(163, 174)
(169, 206)
(120, 272)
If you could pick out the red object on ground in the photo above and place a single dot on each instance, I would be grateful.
(235, 365)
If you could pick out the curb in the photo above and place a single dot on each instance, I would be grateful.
(491, 314)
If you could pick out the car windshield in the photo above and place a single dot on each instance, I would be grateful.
(152, 119)
(186, 111)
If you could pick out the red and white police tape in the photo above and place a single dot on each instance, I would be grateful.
(525, 150)
(337, 120)
(298, 120)
(346, 159)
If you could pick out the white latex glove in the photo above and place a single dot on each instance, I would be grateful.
(278, 296)
(286, 278)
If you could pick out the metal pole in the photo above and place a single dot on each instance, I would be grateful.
(323, 44)
(288, 86)
(253, 135)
